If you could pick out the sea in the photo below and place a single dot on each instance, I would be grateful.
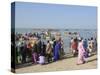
(84, 33)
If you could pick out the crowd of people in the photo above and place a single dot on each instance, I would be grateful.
(83, 48)
(31, 48)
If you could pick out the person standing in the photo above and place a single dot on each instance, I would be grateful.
(57, 50)
(74, 46)
(54, 43)
(89, 47)
(23, 52)
(35, 54)
(95, 45)
(43, 49)
(92, 44)
(85, 47)
(62, 49)
(81, 51)
(48, 51)
(85, 44)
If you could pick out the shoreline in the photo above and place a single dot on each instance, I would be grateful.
(66, 64)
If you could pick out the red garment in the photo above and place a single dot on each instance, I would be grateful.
(74, 45)
(29, 46)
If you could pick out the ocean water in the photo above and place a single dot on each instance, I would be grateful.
(84, 33)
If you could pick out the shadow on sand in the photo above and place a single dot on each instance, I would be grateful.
(67, 56)
(91, 60)
(24, 65)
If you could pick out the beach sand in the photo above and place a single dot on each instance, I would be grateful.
(69, 63)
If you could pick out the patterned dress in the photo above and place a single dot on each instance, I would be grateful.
(81, 51)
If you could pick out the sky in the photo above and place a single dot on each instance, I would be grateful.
(56, 16)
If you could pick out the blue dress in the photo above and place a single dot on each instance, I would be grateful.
(85, 47)
(85, 44)
(56, 51)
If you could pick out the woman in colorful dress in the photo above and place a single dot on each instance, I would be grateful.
(81, 51)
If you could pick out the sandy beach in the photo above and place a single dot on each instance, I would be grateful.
(68, 63)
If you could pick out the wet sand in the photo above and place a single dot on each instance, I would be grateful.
(69, 63)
